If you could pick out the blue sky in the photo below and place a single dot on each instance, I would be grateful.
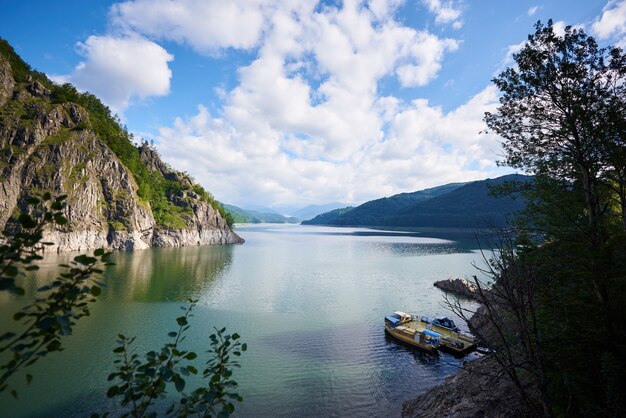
(296, 102)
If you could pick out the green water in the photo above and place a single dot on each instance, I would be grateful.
(309, 301)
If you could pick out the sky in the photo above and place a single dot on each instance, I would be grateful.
(282, 104)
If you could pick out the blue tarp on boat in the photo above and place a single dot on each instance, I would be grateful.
(432, 333)
(393, 320)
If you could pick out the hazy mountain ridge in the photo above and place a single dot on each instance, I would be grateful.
(462, 205)
(249, 216)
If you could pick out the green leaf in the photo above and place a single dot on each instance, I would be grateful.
(95, 291)
(172, 334)
(98, 252)
(113, 390)
(84, 259)
(54, 345)
(191, 355)
(180, 384)
(59, 219)
(26, 221)
(181, 320)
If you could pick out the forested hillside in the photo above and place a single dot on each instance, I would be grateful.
(461, 205)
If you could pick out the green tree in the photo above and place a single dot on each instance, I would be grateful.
(562, 115)
(561, 109)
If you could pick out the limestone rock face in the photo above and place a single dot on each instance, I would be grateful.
(47, 147)
(7, 83)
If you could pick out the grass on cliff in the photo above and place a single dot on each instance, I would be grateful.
(152, 187)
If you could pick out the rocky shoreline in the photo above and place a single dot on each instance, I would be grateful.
(474, 391)
(477, 390)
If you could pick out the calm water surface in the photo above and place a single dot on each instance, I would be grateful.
(309, 301)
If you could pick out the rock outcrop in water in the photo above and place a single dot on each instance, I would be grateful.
(49, 143)
(480, 389)
(459, 286)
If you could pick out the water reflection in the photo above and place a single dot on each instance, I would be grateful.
(404, 249)
(156, 275)
(166, 274)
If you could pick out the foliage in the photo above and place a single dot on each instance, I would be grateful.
(66, 299)
(555, 308)
(62, 302)
(21, 70)
(141, 382)
(562, 113)
(451, 205)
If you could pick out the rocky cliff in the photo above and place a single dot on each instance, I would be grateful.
(50, 143)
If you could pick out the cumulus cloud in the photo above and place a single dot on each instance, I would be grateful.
(445, 12)
(424, 146)
(612, 22)
(306, 122)
(205, 25)
(120, 69)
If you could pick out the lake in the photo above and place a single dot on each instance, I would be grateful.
(309, 301)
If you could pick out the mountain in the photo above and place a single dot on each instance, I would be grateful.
(311, 211)
(240, 215)
(119, 196)
(462, 205)
(372, 212)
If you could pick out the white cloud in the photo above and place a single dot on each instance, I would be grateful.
(120, 69)
(424, 146)
(206, 25)
(445, 12)
(612, 22)
(532, 10)
(306, 122)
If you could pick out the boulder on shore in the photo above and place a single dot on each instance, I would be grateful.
(459, 286)
(474, 391)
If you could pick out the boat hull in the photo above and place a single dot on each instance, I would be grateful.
(392, 332)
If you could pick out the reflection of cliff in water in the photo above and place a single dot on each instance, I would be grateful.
(151, 275)
(165, 274)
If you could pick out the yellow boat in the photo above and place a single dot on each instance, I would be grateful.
(397, 325)
(417, 331)
(452, 340)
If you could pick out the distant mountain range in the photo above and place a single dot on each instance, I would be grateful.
(248, 216)
(269, 215)
(458, 205)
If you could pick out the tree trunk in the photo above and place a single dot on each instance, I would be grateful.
(591, 201)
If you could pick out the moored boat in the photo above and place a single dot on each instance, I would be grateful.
(429, 333)
(397, 325)
(452, 340)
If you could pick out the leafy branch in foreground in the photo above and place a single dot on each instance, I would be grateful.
(64, 301)
(139, 383)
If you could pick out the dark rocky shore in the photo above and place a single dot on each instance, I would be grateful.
(477, 390)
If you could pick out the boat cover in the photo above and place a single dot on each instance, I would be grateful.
(393, 320)
(432, 333)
